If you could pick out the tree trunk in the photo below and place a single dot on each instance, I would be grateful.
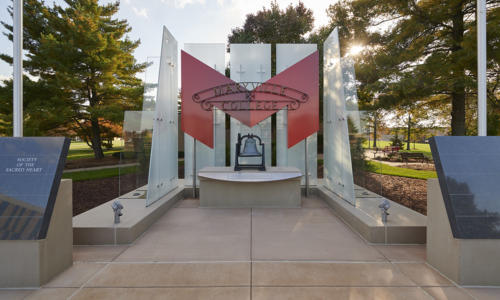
(96, 139)
(408, 133)
(375, 131)
(458, 87)
(458, 113)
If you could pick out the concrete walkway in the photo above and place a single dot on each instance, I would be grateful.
(201, 253)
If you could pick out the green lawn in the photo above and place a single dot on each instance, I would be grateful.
(417, 147)
(99, 174)
(82, 150)
(381, 168)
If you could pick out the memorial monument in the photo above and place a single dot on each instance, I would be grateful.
(35, 210)
(463, 230)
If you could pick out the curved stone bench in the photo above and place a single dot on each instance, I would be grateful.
(224, 187)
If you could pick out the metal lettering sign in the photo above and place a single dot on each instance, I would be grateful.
(250, 102)
(284, 95)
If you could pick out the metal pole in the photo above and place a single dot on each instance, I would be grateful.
(481, 68)
(306, 168)
(17, 113)
(194, 168)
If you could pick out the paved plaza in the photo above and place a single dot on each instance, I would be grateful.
(295, 253)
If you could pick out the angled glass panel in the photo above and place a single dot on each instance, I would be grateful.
(163, 170)
(338, 175)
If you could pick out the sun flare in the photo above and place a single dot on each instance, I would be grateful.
(355, 50)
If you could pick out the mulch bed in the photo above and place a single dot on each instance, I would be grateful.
(88, 194)
(409, 192)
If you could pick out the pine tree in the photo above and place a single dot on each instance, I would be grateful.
(85, 58)
(419, 49)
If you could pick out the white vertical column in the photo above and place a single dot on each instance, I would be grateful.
(17, 113)
(213, 55)
(163, 166)
(286, 56)
(337, 170)
(481, 68)
(251, 62)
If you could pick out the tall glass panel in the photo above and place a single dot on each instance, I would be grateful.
(151, 83)
(163, 171)
(212, 55)
(286, 56)
(337, 156)
(137, 135)
(251, 62)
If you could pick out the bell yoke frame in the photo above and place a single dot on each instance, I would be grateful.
(237, 165)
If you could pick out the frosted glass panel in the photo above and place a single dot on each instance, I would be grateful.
(337, 156)
(251, 62)
(286, 56)
(163, 167)
(212, 55)
(350, 93)
(151, 83)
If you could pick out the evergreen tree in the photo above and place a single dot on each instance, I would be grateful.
(419, 49)
(84, 57)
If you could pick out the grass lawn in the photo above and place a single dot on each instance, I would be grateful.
(79, 150)
(384, 169)
(99, 174)
(417, 147)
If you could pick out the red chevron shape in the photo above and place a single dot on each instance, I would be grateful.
(204, 88)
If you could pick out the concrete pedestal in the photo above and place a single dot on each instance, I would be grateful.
(224, 187)
(465, 261)
(32, 263)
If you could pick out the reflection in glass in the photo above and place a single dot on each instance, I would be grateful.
(468, 169)
(30, 172)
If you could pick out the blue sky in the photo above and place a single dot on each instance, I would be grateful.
(190, 21)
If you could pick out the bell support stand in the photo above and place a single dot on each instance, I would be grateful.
(249, 150)
(194, 168)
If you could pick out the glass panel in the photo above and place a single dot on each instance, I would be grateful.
(286, 56)
(337, 157)
(163, 171)
(135, 157)
(212, 55)
(468, 169)
(251, 62)
(30, 172)
(151, 83)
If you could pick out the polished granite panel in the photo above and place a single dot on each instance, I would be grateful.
(30, 172)
(468, 168)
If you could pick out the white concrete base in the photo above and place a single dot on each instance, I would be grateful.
(96, 226)
(223, 187)
(465, 261)
(33, 263)
(404, 226)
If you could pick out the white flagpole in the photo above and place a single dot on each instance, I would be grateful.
(17, 113)
(481, 68)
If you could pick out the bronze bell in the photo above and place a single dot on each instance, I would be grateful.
(250, 148)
